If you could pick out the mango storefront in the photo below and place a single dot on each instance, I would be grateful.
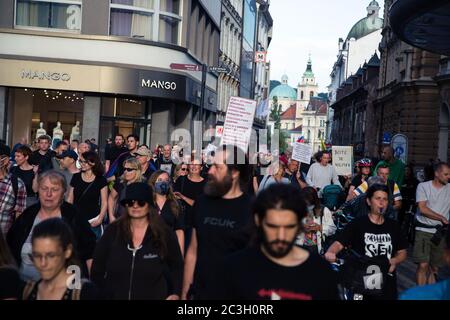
(105, 100)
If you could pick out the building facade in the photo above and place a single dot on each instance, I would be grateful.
(413, 97)
(106, 64)
(230, 54)
(360, 44)
(354, 115)
(314, 122)
(262, 69)
(247, 85)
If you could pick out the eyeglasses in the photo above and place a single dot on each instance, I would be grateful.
(130, 203)
(183, 169)
(129, 169)
(47, 257)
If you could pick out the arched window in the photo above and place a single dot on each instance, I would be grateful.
(301, 95)
(308, 137)
(311, 93)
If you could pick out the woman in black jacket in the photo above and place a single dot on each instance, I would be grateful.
(138, 257)
(51, 187)
(9, 277)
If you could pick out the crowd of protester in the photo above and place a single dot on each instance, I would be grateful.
(136, 223)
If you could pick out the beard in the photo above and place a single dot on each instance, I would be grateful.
(272, 247)
(218, 189)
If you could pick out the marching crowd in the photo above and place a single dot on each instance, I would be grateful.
(139, 223)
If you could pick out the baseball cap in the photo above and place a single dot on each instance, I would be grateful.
(143, 151)
(68, 153)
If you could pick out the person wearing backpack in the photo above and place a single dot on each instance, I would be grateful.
(53, 253)
(322, 173)
(13, 193)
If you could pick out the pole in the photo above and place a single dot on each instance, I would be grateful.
(202, 99)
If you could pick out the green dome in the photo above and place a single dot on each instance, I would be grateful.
(283, 91)
(364, 27)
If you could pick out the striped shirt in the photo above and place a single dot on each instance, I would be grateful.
(9, 205)
(396, 195)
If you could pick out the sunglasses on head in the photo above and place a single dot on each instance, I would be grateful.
(130, 203)
(129, 169)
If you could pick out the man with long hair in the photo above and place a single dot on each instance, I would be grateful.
(221, 218)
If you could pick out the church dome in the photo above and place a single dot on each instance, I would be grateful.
(283, 91)
(368, 24)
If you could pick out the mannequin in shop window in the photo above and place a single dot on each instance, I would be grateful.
(75, 135)
(41, 131)
(58, 135)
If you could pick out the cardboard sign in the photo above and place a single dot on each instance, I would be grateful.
(343, 159)
(302, 152)
(238, 124)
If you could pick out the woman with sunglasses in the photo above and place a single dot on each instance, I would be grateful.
(167, 205)
(89, 191)
(138, 257)
(53, 255)
(181, 170)
(187, 190)
(132, 172)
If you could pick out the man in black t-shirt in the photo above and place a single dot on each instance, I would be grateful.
(112, 153)
(43, 156)
(274, 268)
(221, 221)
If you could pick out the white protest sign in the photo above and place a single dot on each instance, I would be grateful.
(302, 152)
(238, 122)
(343, 160)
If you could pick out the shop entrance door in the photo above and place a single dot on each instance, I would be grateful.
(109, 127)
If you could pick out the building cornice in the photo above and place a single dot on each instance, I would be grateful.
(227, 4)
(394, 87)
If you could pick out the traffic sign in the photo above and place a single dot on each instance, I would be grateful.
(260, 56)
(184, 66)
(219, 69)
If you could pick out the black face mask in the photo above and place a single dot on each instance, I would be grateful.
(162, 187)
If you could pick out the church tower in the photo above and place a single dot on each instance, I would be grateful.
(306, 89)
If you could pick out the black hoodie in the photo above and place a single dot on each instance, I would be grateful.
(124, 274)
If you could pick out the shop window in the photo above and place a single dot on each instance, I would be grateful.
(123, 107)
(50, 14)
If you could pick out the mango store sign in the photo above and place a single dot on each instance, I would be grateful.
(343, 159)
